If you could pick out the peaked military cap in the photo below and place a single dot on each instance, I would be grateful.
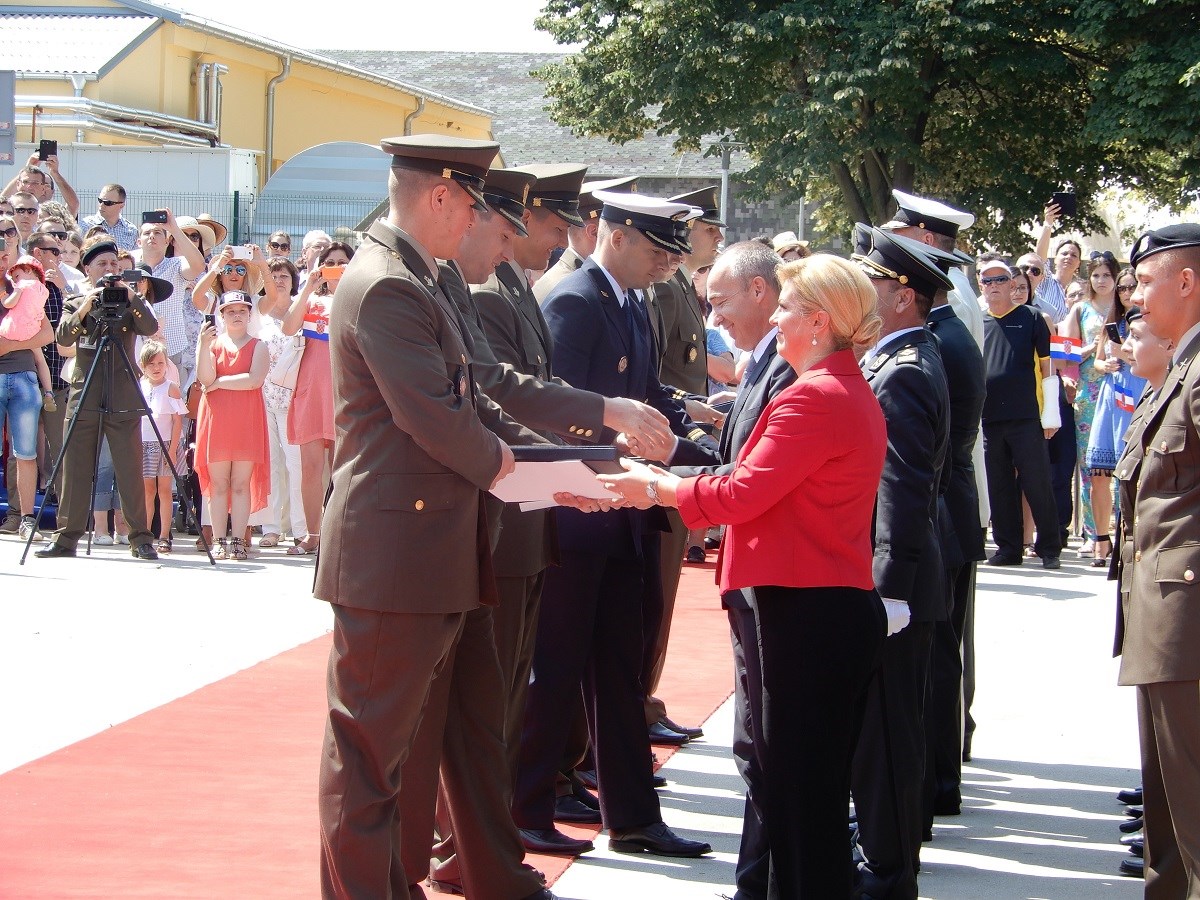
(1173, 237)
(663, 222)
(706, 200)
(932, 215)
(462, 160)
(557, 189)
(507, 191)
(943, 260)
(886, 258)
(589, 206)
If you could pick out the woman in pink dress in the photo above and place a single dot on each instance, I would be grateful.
(233, 461)
(310, 417)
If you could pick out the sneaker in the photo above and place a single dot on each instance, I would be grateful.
(103, 540)
(11, 525)
(26, 528)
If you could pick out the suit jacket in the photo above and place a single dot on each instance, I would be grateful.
(963, 363)
(798, 502)
(1159, 476)
(403, 528)
(603, 346)
(907, 377)
(683, 342)
(567, 263)
(84, 333)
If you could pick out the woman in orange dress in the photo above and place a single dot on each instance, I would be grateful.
(310, 417)
(233, 460)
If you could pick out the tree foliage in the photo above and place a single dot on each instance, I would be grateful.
(988, 104)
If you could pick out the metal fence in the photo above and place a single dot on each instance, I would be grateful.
(250, 218)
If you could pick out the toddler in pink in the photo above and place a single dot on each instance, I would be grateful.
(26, 307)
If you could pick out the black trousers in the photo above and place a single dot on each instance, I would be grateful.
(589, 630)
(820, 648)
(1020, 444)
(889, 767)
(1062, 452)
(754, 854)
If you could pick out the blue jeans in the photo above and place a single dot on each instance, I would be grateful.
(21, 405)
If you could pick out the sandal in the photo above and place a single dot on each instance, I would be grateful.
(221, 549)
(1030, 552)
(237, 549)
(307, 546)
(163, 545)
(270, 539)
(1100, 560)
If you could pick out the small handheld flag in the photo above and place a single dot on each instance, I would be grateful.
(1065, 349)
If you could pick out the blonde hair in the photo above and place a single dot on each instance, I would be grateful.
(150, 349)
(839, 288)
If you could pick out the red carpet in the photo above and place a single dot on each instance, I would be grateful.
(214, 795)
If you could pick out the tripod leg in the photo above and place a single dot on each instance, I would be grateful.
(180, 485)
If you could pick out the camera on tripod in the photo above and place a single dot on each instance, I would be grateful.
(113, 300)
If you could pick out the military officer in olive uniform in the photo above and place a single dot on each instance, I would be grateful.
(905, 372)
(581, 239)
(80, 327)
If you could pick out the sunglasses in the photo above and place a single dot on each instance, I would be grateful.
(230, 270)
(1106, 256)
(1125, 288)
(995, 279)
(9, 233)
(274, 246)
(110, 202)
(194, 236)
(52, 250)
(1030, 270)
(25, 211)
(61, 235)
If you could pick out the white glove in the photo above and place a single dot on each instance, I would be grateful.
(1051, 418)
(898, 615)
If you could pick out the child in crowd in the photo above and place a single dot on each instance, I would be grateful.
(166, 405)
(26, 306)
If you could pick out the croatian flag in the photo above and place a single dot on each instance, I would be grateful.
(1125, 399)
(1065, 349)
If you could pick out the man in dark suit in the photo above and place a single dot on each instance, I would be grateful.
(905, 371)
(961, 540)
(81, 327)
(406, 555)
(1159, 624)
(602, 343)
(581, 239)
(743, 289)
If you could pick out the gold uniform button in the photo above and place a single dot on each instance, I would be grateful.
(1189, 575)
(588, 433)
(571, 428)
(1137, 557)
(420, 505)
(693, 336)
(464, 357)
(1163, 446)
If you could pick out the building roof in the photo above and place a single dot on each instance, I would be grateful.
(105, 34)
(501, 81)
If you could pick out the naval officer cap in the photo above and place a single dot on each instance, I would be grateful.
(663, 222)
(462, 160)
(589, 206)
(706, 200)
(940, 258)
(932, 215)
(557, 189)
(886, 258)
(507, 191)
(1173, 237)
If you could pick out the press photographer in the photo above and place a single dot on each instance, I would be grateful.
(109, 306)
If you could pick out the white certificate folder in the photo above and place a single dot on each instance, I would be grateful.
(545, 470)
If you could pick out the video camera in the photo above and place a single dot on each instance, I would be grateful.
(113, 300)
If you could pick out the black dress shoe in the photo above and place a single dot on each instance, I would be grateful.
(553, 841)
(1132, 796)
(656, 838)
(1138, 847)
(144, 551)
(1130, 839)
(584, 796)
(587, 777)
(658, 780)
(1130, 826)
(1003, 559)
(1051, 562)
(695, 554)
(664, 736)
(54, 551)
(1134, 812)
(690, 732)
(570, 809)
(1133, 867)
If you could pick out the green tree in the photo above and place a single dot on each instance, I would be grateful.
(985, 104)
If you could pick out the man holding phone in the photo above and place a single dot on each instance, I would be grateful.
(159, 230)
(33, 180)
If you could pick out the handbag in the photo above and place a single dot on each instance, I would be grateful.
(287, 367)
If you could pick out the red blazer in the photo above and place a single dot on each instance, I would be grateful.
(800, 499)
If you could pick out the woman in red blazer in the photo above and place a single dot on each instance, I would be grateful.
(798, 505)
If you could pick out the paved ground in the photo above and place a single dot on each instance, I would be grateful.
(88, 643)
